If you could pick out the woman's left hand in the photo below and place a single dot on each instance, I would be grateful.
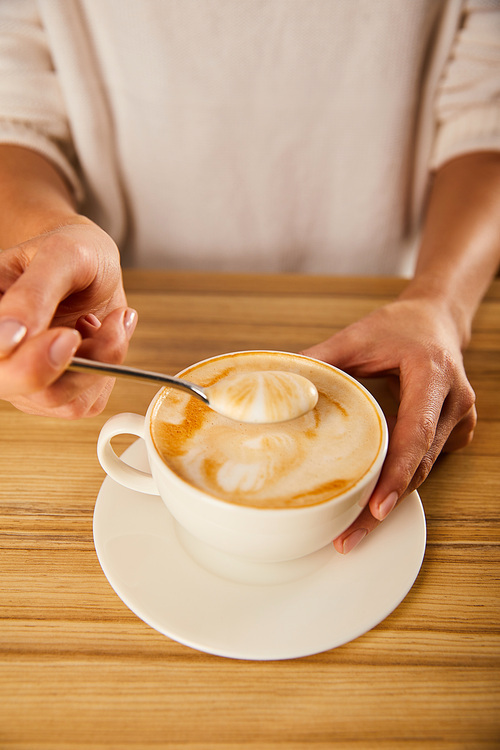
(416, 343)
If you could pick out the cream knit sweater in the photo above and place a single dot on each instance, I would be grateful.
(260, 135)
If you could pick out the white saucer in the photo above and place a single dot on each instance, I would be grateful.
(144, 562)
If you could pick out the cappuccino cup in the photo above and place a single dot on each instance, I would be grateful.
(256, 503)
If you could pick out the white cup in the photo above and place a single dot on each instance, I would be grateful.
(246, 544)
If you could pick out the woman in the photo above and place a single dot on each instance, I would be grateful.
(321, 137)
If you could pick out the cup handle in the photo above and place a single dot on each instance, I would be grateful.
(135, 479)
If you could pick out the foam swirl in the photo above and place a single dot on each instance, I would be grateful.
(263, 397)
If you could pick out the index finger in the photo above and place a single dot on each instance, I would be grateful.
(27, 307)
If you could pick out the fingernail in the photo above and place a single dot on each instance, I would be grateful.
(354, 538)
(387, 505)
(130, 321)
(63, 347)
(92, 320)
(12, 333)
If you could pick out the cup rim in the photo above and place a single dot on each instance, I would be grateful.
(216, 502)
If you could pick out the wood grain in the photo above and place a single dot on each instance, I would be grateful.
(79, 670)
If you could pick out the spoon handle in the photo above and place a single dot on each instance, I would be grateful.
(78, 364)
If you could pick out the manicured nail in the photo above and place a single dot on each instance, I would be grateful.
(387, 505)
(92, 320)
(130, 321)
(354, 538)
(63, 347)
(12, 333)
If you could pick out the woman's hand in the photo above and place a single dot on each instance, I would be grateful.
(416, 344)
(61, 293)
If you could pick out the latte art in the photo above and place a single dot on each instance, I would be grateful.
(291, 464)
(253, 464)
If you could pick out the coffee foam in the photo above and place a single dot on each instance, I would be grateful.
(264, 396)
(292, 464)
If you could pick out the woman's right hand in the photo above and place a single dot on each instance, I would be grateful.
(61, 293)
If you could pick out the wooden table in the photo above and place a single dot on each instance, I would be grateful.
(80, 670)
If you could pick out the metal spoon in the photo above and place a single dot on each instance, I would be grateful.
(260, 397)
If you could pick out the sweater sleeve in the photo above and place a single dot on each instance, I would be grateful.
(32, 111)
(467, 106)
